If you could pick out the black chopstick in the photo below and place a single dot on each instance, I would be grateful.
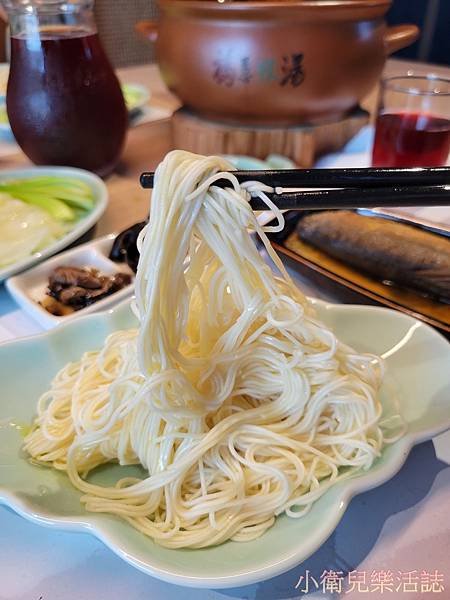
(358, 198)
(354, 178)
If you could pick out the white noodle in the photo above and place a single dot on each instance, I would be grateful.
(238, 402)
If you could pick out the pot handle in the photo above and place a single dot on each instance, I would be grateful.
(399, 37)
(147, 29)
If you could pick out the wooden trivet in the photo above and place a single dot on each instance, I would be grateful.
(302, 143)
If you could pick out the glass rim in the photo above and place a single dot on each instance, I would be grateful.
(33, 7)
(388, 83)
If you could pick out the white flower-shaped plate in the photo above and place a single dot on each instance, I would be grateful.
(417, 383)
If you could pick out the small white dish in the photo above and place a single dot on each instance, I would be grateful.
(29, 288)
(83, 225)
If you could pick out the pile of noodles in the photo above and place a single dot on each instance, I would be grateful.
(238, 403)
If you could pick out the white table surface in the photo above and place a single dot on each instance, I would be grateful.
(403, 525)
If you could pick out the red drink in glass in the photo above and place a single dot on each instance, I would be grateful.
(411, 140)
(413, 124)
(64, 101)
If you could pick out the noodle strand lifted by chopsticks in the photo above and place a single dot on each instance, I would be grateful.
(234, 398)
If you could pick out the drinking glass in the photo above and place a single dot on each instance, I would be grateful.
(64, 101)
(413, 122)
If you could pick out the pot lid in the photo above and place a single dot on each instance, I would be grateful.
(347, 10)
(305, 3)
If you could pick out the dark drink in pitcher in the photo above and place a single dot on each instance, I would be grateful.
(64, 101)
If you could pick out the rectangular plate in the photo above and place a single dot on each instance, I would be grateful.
(350, 285)
(29, 288)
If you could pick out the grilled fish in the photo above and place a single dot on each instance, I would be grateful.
(384, 249)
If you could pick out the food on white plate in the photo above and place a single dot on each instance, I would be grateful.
(73, 288)
(4, 74)
(3, 115)
(134, 95)
(237, 402)
(36, 211)
(63, 197)
(25, 229)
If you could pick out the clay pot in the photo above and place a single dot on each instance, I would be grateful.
(273, 62)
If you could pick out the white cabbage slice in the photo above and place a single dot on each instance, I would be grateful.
(24, 230)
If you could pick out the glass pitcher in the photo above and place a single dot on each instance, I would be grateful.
(64, 101)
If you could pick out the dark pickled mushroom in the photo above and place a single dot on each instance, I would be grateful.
(75, 288)
(74, 276)
(124, 248)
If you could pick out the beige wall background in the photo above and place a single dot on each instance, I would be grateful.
(116, 20)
